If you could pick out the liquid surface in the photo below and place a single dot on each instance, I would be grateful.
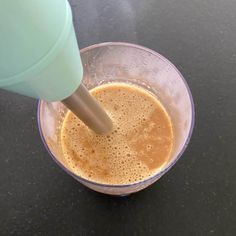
(138, 147)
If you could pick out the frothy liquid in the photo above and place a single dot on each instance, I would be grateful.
(138, 147)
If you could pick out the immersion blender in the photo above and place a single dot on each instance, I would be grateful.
(39, 57)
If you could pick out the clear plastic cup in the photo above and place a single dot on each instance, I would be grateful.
(113, 62)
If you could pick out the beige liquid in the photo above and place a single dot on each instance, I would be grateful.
(138, 147)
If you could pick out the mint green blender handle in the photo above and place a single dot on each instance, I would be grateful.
(39, 52)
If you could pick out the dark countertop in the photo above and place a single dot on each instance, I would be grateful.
(198, 196)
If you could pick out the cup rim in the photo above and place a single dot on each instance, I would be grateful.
(169, 165)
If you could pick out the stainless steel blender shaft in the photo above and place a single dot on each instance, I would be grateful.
(86, 108)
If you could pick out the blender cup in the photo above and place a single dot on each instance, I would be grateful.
(123, 62)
